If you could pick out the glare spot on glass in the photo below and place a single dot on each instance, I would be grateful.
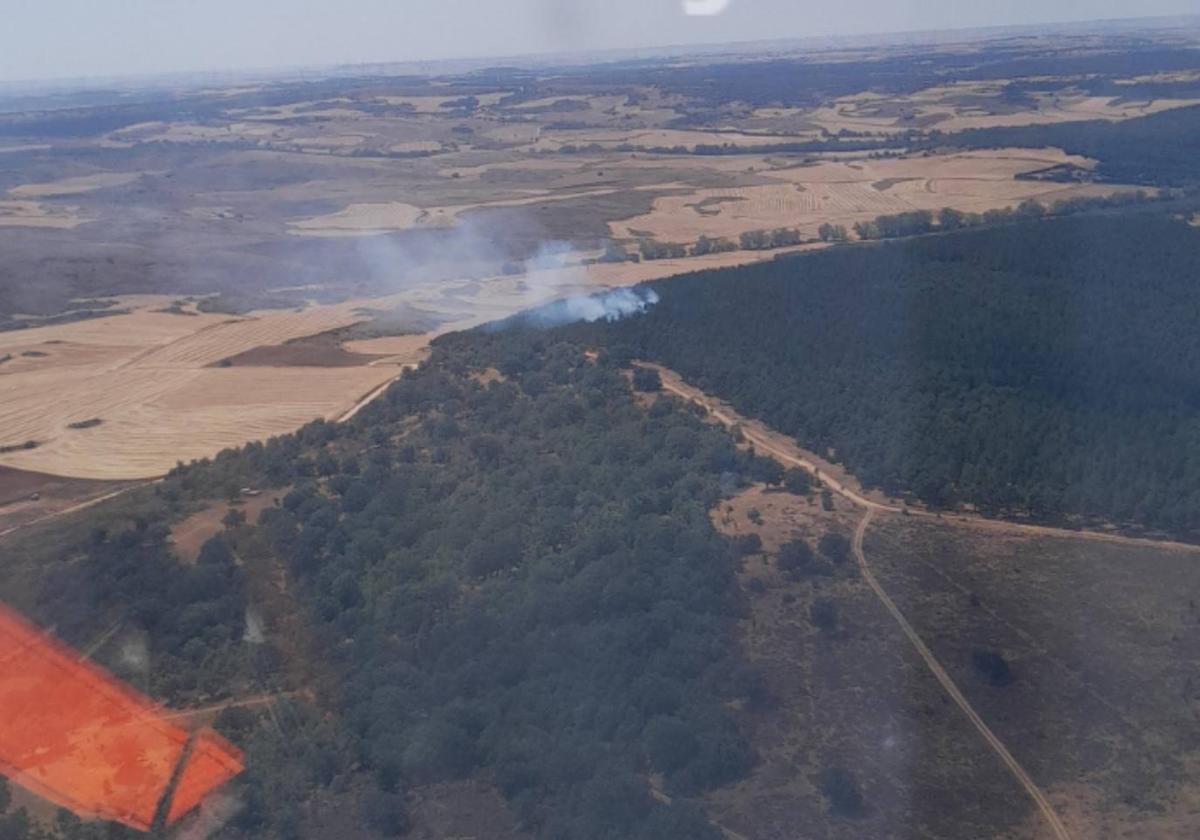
(704, 7)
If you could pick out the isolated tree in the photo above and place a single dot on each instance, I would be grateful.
(834, 546)
(646, 379)
(614, 253)
(796, 559)
(993, 666)
(842, 792)
(766, 471)
(951, 219)
(746, 544)
(824, 615)
(1030, 209)
(216, 553)
(797, 481)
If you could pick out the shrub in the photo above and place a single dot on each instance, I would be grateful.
(841, 790)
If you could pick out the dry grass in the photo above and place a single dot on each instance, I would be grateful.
(661, 137)
(967, 105)
(148, 376)
(395, 349)
(849, 191)
(189, 535)
(1086, 627)
(74, 186)
(372, 219)
(38, 215)
(360, 220)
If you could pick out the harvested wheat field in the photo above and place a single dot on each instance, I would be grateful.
(131, 395)
(38, 215)
(154, 382)
(374, 219)
(662, 138)
(74, 186)
(360, 220)
(78, 737)
(845, 192)
(968, 105)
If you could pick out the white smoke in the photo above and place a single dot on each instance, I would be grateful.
(134, 653)
(553, 286)
(255, 633)
(608, 306)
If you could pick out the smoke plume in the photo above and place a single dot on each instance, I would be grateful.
(608, 306)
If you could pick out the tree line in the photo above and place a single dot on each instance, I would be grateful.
(1045, 368)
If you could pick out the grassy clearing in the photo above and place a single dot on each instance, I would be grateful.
(848, 698)
(1099, 701)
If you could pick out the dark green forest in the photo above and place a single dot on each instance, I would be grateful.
(517, 582)
(1160, 149)
(1048, 369)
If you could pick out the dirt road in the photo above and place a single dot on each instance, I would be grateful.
(783, 449)
(758, 435)
(73, 508)
(951, 689)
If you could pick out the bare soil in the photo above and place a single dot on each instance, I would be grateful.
(315, 351)
(190, 535)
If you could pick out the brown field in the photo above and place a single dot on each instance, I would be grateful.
(360, 220)
(850, 191)
(56, 496)
(157, 383)
(373, 219)
(967, 105)
(35, 214)
(400, 349)
(74, 186)
(664, 137)
(316, 351)
(148, 376)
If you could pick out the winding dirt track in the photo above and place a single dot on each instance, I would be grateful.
(674, 384)
(755, 432)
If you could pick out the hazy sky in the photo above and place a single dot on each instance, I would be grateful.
(72, 38)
